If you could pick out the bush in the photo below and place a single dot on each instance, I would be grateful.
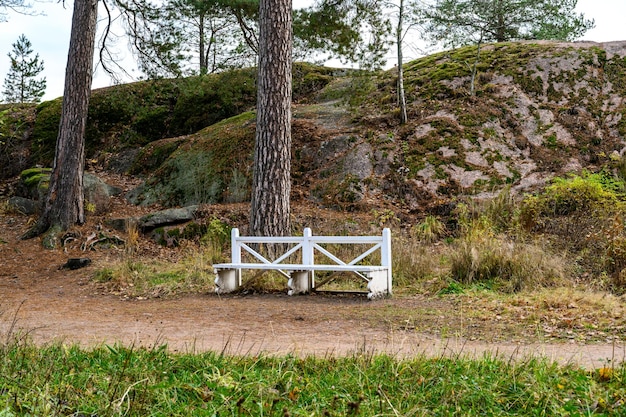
(589, 193)
(584, 215)
(429, 230)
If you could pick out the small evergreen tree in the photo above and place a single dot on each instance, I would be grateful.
(20, 84)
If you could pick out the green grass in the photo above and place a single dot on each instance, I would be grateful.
(111, 381)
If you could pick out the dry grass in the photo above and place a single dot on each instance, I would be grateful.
(418, 267)
(429, 230)
(135, 276)
(132, 238)
(511, 265)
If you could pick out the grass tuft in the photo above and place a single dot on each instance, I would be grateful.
(480, 256)
(429, 230)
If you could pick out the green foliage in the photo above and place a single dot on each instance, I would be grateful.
(462, 22)
(45, 131)
(15, 123)
(350, 30)
(585, 215)
(309, 79)
(589, 193)
(20, 84)
(133, 115)
(217, 235)
(185, 37)
(114, 380)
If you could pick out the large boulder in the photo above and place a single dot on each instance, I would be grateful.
(98, 193)
(33, 186)
(155, 220)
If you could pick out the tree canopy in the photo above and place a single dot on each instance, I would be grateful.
(183, 37)
(355, 31)
(462, 22)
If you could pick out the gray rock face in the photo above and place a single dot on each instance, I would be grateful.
(155, 220)
(98, 193)
(166, 217)
(24, 205)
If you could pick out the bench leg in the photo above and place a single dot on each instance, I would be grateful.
(378, 285)
(299, 282)
(227, 280)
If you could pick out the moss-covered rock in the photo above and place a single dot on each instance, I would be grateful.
(539, 109)
(211, 166)
(34, 182)
(135, 114)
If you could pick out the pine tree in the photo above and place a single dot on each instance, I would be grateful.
(64, 204)
(20, 84)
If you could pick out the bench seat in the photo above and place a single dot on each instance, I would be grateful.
(301, 276)
(300, 267)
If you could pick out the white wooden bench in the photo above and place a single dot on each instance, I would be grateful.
(300, 275)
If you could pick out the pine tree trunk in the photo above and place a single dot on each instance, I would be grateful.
(271, 188)
(64, 204)
(203, 57)
(401, 95)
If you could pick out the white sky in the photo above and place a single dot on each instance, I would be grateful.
(50, 33)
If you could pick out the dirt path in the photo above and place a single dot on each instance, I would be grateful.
(53, 304)
(62, 307)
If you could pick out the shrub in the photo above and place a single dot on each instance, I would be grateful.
(589, 193)
(238, 188)
(584, 214)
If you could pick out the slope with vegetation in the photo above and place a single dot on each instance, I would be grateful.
(507, 209)
(458, 171)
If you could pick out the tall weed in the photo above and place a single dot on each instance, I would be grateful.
(429, 230)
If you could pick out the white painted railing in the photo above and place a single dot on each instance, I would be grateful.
(300, 275)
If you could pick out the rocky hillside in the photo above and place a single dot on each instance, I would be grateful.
(538, 110)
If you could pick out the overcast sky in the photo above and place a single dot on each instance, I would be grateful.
(49, 34)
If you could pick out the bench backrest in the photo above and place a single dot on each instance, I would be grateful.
(308, 244)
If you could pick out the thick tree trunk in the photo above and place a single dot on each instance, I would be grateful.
(271, 188)
(64, 204)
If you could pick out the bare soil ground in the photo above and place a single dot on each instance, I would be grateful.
(51, 304)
